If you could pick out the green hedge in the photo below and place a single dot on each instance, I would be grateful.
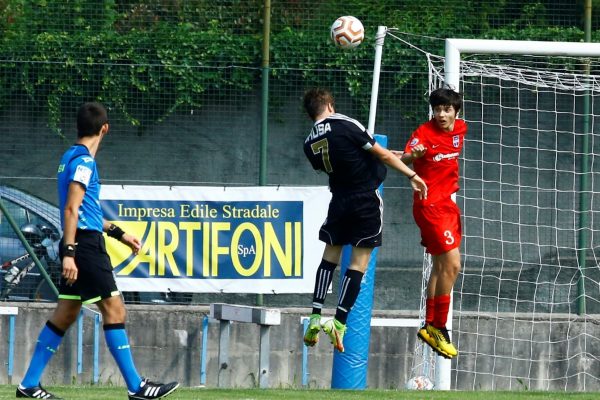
(175, 53)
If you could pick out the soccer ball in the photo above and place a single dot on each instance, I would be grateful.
(419, 383)
(347, 32)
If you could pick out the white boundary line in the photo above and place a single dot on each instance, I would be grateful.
(389, 322)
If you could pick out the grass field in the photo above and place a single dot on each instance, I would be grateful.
(113, 393)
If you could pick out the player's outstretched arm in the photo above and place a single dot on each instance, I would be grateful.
(397, 153)
(391, 160)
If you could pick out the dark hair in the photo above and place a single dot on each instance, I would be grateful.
(446, 97)
(315, 101)
(90, 118)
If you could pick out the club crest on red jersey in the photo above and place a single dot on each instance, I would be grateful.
(414, 142)
(456, 140)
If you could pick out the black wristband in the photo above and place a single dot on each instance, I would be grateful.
(69, 250)
(412, 176)
(115, 232)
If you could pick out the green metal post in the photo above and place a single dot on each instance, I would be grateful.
(35, 259)
(582, 238)
(264, 131)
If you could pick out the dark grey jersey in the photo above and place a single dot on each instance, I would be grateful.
(338, 145)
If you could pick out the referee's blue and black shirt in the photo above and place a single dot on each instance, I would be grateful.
(78, 165)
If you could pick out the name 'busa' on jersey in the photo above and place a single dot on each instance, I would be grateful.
(338, 145)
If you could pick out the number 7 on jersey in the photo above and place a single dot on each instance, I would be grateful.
(322, 146)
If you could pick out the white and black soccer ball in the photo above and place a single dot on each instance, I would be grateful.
(347, 32)
(419, 383)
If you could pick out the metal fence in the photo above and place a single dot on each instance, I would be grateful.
(183, 83)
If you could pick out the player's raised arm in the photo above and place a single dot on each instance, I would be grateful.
(391, 160)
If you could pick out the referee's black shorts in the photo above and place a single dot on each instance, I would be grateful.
(355, 219)
(95, 279)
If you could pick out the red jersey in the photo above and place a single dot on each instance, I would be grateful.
(439, 165)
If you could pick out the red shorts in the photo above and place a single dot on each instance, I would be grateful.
(440, 226)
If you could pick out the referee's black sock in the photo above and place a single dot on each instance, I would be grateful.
(348, 294)
(322, 282)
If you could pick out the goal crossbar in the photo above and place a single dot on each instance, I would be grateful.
(456, 47)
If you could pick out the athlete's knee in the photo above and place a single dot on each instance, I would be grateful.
(114, 316)
(448, 270)
(451, 267)
(65, 314)
(113, 311)
(63, 319)
(359, 267)
(360, 258)
(455, 267)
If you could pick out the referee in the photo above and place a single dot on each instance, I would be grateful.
(87, 275)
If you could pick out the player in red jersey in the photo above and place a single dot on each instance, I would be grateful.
(433, 149)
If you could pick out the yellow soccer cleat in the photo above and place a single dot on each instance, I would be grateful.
(443, 345)
(311, 336)
(336, 331)
(425, 337)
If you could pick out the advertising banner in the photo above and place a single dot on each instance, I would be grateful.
(217, 239)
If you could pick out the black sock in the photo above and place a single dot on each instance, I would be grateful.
(348, 294)
(322, 281)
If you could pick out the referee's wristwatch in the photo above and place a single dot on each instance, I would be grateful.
(69, 250)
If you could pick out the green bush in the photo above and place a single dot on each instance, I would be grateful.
(170, 54)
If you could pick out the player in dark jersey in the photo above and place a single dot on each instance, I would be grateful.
(347, 152)
(87, 275)
(433, 149)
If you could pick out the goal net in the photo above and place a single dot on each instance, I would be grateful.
(526, 304)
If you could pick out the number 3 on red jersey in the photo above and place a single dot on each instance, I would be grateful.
(449, 238)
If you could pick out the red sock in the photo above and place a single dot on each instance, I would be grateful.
(441, 305)
(429, 310)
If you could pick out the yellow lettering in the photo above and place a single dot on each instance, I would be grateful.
(226, 211)
(184, 210)
(145, 255)
(271, 242)
(203, 211)
(197, 211)
(257, 211)
(142, 213)
(205, 248)
(165, 251)
(189, 228)
(298, 248)
(265, 247)
(235, 241)
(217, 250)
